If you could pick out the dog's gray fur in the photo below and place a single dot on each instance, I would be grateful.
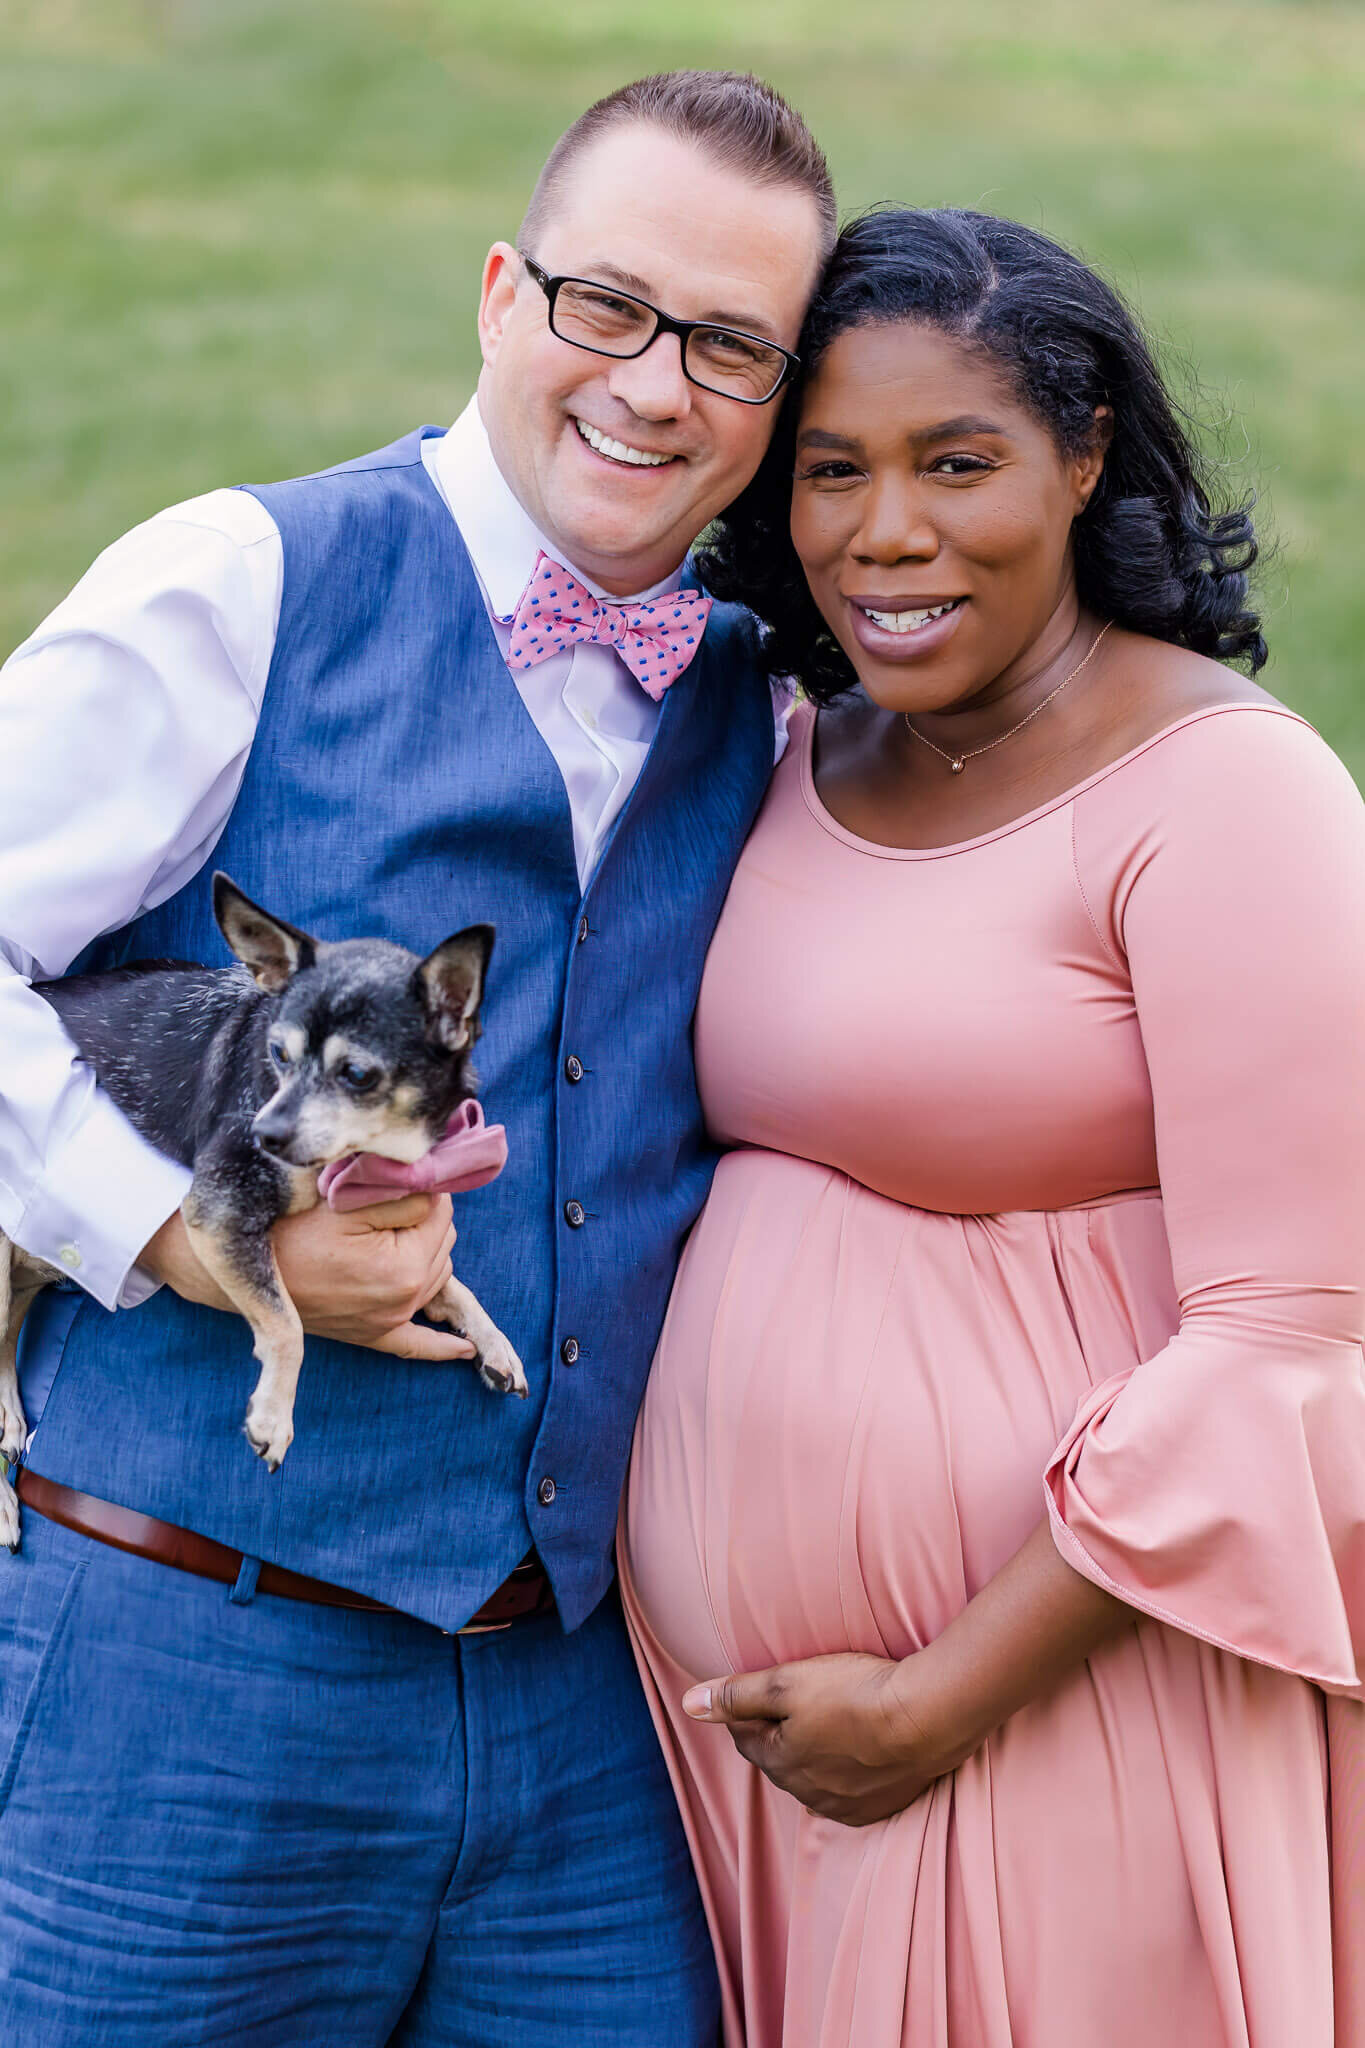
(256, 1076)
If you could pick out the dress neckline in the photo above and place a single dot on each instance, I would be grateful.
(831, 824)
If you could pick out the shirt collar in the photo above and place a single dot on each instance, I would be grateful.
(502, 539)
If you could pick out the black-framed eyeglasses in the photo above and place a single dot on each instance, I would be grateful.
(608, 322)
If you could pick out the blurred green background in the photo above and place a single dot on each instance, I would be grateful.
(242, 240)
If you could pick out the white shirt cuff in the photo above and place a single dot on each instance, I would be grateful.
(104, 1195)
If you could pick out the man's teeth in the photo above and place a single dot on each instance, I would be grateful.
(617, 450)
(908, 622)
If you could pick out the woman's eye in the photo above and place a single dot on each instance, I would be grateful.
(960, 465)
(827, 472)
(360, 1080)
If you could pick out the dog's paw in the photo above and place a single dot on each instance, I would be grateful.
(494, 1360)
(269, 1429)
(500, 1369)
(9, 1513)
(452, 1314)
(13, 1425)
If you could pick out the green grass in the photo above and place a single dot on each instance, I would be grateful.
(241, 239)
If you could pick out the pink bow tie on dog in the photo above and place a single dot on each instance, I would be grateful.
(469, 1155)
(656, 640)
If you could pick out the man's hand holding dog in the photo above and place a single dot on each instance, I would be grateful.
(359, 1275)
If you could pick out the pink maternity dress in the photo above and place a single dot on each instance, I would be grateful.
(1048, 1194)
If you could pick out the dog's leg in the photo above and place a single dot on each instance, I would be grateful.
(10, 1404)
(11, 1407)
(239, 1255)
(495, 1361)
(21, 1278)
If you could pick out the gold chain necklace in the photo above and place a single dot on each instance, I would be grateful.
(957, 762)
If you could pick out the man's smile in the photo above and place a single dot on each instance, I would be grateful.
(620, 452)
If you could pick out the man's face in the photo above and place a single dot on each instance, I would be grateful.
(657, 217)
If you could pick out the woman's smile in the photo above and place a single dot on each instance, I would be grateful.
(903, 629)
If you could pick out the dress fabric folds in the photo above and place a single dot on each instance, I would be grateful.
(1047, 1195)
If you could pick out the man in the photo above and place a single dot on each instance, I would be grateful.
(314, 1808)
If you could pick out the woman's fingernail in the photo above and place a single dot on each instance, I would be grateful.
(697, 1700)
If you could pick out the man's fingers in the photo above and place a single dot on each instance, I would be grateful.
(747, 1696)
(440, 1265)
(415, 1340)
(404, 1214)
(438, 1272)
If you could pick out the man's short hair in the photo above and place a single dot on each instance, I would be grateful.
(739, 120)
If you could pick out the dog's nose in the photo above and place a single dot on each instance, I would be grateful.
(273, 1132)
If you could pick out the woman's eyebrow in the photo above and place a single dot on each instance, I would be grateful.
(816, 437)
(965, 423)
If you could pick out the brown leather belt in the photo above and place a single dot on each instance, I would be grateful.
(523, 1594)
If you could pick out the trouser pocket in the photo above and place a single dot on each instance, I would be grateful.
(39, 1588)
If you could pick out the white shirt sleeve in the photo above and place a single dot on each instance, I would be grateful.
(785, 701)
(125, 725)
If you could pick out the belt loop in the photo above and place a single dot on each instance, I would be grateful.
(244, 1592)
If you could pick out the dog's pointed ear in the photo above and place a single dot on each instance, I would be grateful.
(272, 949)
(450, 984)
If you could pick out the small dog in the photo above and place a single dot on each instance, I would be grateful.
(257, 1076)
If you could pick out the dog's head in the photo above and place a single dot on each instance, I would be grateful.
(369, 1047)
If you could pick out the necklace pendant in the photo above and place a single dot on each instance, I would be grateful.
(957, 766)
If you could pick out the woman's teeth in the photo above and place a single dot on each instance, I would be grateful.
(617, 451)
(909, 622)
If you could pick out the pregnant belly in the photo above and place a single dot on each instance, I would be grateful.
(852, 1404)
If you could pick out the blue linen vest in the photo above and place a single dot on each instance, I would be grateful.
(398, 788)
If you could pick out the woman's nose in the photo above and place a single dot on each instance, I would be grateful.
(895, 527)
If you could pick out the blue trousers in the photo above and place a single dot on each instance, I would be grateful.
(270, 1823)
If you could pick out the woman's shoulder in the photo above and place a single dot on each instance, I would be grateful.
(1223, 805)
(1195, 725)
(1164, 686)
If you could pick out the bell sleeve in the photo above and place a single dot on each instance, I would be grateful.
(1220, 1485)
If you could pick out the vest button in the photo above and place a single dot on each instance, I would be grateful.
(546, 1492)
(582, 929)
(568, 1351)
(573, 1068)
(575, 1215)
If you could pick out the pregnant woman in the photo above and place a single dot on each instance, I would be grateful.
(995, 1538)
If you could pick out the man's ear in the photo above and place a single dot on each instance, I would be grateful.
(450, 986)
(501, 276)
(272, 949)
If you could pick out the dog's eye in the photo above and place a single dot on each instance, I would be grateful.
(360, 1080)
(280, 1054)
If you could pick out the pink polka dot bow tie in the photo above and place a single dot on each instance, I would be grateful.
(656, 640)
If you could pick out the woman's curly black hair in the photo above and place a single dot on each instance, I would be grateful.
(1151, 551)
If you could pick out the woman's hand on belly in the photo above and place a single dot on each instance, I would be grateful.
(854, 1738)
(857, 1738)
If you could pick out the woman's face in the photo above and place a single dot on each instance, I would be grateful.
(932, 515)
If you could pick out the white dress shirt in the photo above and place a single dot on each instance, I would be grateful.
(125, 724)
